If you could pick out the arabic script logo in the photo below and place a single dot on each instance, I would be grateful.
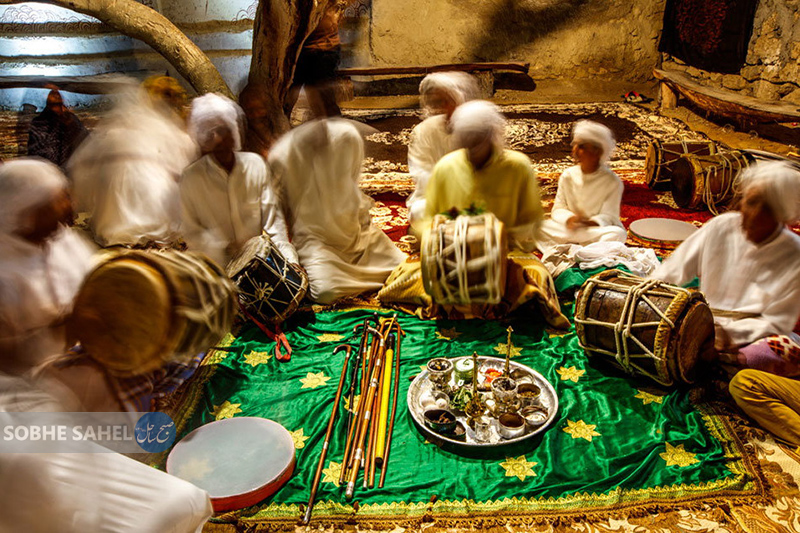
(155, 432)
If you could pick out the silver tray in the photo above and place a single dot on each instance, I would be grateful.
(521, 373)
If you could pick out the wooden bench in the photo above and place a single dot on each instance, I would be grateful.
(490, 76)
(743, 109)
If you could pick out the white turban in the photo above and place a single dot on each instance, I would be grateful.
(212, 111)
(479, 118)
(460, 86)
(24, 184)
(595, 134)
(778, 183)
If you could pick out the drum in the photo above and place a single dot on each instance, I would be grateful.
(662, 232)
(138, 310)
(646, 327)
(270, 287)
(464, 260)
(661, 157)
(711, 180)
(239, 461)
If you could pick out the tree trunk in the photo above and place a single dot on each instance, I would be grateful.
(280, 28)
(136, 20)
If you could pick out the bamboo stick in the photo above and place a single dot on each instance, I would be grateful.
(395, 393)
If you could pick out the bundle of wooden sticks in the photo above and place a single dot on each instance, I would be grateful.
(372, 389)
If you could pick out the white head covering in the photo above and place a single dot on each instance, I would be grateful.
(594, 133)
(459, 85)
(212, 111)
(26, 183)
(479, 117)
(778, 183)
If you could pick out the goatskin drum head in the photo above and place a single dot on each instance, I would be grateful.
(664, 231)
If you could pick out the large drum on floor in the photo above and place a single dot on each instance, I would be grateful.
(707, 180)
(239, 461)
(270, 287)
(646, 327)
(138, 310)
(464, 260)
(662, 156)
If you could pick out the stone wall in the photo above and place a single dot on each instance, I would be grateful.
(772, 69)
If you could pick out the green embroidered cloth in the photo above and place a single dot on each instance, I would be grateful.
(617, 443)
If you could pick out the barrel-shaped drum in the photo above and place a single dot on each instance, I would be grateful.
(662, 156)
(709, 180)
(464, 260)
(646, 327)
(270, 287)
(139, 310)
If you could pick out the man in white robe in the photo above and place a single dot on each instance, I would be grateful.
(125, 174)
(226, 195)
(318, 167)
(42, 263)
(440, 94)
(748, 263)
(586, 207)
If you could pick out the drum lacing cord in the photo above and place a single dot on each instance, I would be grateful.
(459, 249)
(624, 326)
(731, 185)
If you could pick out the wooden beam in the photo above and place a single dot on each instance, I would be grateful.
(726, 103)
(464, 67)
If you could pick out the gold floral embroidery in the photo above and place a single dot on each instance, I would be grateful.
(646, 397)
(299, 439)
(330, 337)
(356, 399)
(677, 456)
(570, 373)
(312, 381)
(447, 334)
(226, 410)
(502, 348)
(332, 473)
(255, 358)
(581, 430)
(518, 467)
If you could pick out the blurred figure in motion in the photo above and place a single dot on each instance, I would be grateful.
(317, 64)
(226, 195)
(56, 132)
(440, 93)
(586, 207)
(126, 174)
(42, 263)
(318, 167)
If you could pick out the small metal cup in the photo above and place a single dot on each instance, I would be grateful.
(529, 394)
(440, 370)
(511, 425)
(482, 428)
(534, 416)
(504, 390)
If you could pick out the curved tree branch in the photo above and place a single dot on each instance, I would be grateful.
(136, 20)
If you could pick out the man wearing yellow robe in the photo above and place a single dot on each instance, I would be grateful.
(482, 174)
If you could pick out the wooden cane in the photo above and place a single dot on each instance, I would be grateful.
(331, 422)
(395, 392)
(364, 425)
(351, 397)
(362, 405)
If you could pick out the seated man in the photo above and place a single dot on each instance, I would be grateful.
(440, 94)
(226, 195)
(126, 174)
(56, 132)
(42, 263)
(748, 264)
(772, 401)
(318, 167)
(586, 207)
(482, 174)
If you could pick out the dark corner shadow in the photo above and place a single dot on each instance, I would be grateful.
(513, 23)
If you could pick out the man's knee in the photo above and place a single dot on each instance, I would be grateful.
(744, 382)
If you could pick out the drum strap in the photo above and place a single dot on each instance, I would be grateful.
(276, 336)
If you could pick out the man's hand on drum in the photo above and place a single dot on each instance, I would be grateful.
(579, 221)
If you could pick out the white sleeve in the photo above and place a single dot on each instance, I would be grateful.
(274, 224)
(779, 318)
(609, 212)
(420, 161)
(684, 263)
(561, 212)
